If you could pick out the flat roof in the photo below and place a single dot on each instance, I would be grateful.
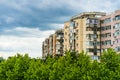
(88, 13)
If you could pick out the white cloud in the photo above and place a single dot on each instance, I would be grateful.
(99, 5)
(28, 32)
(13, 44)
(10, 45)
(57, 26)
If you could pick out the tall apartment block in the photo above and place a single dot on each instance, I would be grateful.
(110, 31)
(53, 45)
(91, 32)
(82, 33)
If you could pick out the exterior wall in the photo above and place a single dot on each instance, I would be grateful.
(80, 36)
(45, 48)
(54, 44)
(51, 45)
(114, 38)
(66, 36)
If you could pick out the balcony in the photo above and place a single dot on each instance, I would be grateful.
(45, 44)
(59, 37)
(59, 51)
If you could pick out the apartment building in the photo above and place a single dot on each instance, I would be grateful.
(91, 32)
(53, 45)
(82, 33)
(110, 31)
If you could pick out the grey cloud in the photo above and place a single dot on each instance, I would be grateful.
(33, 16)
(42, 13)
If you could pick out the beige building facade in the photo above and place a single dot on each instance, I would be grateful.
(82, 33)
(53, 45)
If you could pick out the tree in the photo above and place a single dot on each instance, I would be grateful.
(72, 66)
(111, 59)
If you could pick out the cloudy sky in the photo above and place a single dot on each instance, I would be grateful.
(24, 24)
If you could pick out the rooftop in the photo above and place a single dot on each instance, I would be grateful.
(87, 14)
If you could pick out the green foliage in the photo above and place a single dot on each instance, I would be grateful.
(72, 66)
(1, 59)
(111, 59)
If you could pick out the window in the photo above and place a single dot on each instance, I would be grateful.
(98, 50)
(90, 50)
(106, 28)
(117, 26)
(76, 24)
(89, 43)
(116, 33)
(66, 27)
(57, 46)
(92, 21)
(91, 36)
(116, 41)
(102, 21)
(65, 39)
(77, 37)
(89, 29)
(106, 35)
(92, 43)
(107, 42)
(117, 17)
(98, 43)
(65, 33)
(107, 20)
(94, 57)
(87, 22)
(102, 43)
(77, 44)
(117, 48)
(98, 29)
(102, 28)
(102, 35)
(72, 24)
(77, 31)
